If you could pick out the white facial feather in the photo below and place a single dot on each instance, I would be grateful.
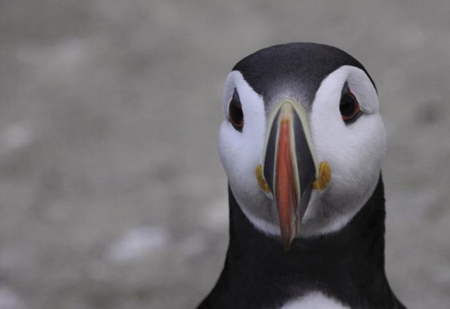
(241, 152)
(354, 152)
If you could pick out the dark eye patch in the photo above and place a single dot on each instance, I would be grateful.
(235, 113)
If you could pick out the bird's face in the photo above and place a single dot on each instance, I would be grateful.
(301, 142)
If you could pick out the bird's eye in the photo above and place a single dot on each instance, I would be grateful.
(235, 113)
(349, 108)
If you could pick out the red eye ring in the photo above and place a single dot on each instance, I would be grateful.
(349, 107)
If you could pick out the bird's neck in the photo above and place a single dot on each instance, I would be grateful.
(364, 234)
(348, 264)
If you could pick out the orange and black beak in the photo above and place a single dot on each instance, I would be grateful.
(290, 169)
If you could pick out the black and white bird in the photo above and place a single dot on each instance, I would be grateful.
(302, 143)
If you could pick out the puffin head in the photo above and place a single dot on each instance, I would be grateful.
(302, 139)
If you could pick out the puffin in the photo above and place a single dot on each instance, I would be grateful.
(302, 143)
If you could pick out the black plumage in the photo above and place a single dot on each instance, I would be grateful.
(347, 265)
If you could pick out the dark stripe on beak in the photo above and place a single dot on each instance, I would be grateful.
(305, 164)
(269, 160)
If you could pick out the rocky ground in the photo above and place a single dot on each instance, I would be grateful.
(111, 191)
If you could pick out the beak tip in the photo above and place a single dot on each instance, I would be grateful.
(288, 237)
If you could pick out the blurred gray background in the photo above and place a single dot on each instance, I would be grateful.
(112, 194)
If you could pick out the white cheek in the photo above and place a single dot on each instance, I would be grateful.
(242, 152)
(239, 157)
(354, 152)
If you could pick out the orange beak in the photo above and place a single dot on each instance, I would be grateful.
(289, 167)
(286, 184)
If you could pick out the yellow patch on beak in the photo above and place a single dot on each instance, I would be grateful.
(261, 181)
(324, 176)
(319, 184)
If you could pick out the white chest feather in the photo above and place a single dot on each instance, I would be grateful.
(314, 300)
